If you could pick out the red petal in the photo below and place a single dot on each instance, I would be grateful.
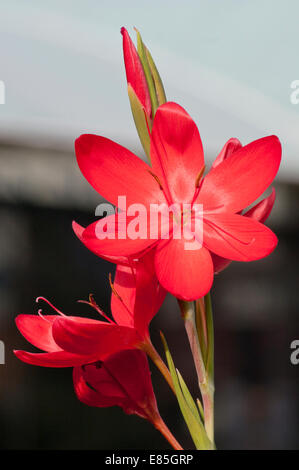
(79, 231)
(219, 263)
(53, 359)
(149, 293)
(140, 292)
(87, 394)
(176, 152)
(231, 146)
(124, 284)
(38, 331)
(92, 337)
(240, 179)
(134, 71)
(131, 370)
(262, 210)
(114, 171)
(238, 238)
(116, 246)
(123, 380)
(259, 212)
(187, 274)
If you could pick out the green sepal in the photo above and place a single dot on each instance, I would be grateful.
(160, 92)
(143, 125)
(147, 72)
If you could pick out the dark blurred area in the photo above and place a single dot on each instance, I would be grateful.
(255, 314)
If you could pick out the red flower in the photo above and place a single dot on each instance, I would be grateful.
(124, 380)
(121, 380)
(176, 177)
(134, 72)
(109, 366)
(72, 341)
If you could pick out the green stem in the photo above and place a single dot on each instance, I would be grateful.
(164, 430)
(210, 334)
(205, 382)
(151, 351)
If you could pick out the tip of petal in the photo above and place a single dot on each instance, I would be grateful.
(123, 30)
(171, 106)
(274, 140)
(83, 143)
(20, 354)
(19, 320)
(78, 230)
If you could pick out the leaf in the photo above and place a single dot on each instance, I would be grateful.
(201, 412)
(187, 395)
(195, 426)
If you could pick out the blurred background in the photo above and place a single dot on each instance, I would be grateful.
(231, 65)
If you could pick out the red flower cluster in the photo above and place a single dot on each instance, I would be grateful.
(104, 354)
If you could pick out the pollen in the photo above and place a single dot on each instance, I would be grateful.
(113, 288)
(199, 177)
(156, 178)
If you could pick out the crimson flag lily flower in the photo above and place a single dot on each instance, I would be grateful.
(260, 212)
(124, 380)
(176, 178)
(121, 380)
(72, 341)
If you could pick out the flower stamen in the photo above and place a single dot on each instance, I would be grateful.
(198, 183)
(38, 299)
(157, 179)
(39, 312)
(198, 180)
(92, 303)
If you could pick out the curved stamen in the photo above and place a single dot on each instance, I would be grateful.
(38, 299)
(39, 312)
(92, 303)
